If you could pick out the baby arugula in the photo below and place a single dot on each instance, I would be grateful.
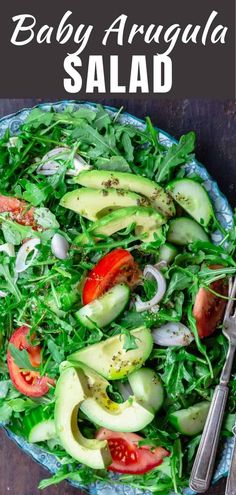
(48, 294)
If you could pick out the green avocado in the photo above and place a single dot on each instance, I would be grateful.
(95, 203)
(128, 416)
(109, 357)
(147, 221)
(71, 391)
(99, 179)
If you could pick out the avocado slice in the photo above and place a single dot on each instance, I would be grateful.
(159, 199)
(111, 360)
(128, 416)
(147, 221)
(71, 390)
(96, 203)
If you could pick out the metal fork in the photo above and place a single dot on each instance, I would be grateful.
(205, 459)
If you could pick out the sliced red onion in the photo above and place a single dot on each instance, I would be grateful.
(125, 390)
(50, 163)
(3, 293)
(172, 334)
(8, 248)
(79, 165)
(23, 253)
(152, 272)
(12, 143)
(59, 246)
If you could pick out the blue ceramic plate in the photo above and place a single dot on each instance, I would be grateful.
(224, 214)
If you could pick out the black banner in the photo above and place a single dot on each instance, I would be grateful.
(75, 49)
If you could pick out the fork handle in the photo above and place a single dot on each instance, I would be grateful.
(205, 459)
(231, 481)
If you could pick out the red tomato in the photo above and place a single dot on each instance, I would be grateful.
(127, 457)
(208, 309)
(18, 210)
(116, 267)
(29, 383)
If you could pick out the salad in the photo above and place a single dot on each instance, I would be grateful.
(112, 295)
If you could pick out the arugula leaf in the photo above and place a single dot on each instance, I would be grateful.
(83, 113)
(229, 422)
(132, 319)
(11, 285)
(150, 288)
(56, 478)
(36, 194)
(102, 119)
(176, 464)
(14, 232)
(4, 387)
(154, 134)
(20, 405)
(5, 413)
(87, 134)
(38, 117)
(128, 147)
(209, 275)
(179, 281)
(46, 218)
(176, 155)
(130, 341)
(82, 475)
(192, 447)
(117, 163)
(209, 248)
(21, 358)
(55, 351)
(174, 375)
(201, 347)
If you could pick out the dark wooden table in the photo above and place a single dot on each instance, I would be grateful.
(215, 125)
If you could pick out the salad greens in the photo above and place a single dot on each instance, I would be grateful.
(47, 295)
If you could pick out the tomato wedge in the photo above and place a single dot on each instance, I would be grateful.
(127, 457)
(18, 210)
(116, 267)
(208, 309)
(28, 382)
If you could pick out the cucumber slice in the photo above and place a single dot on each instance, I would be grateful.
(38, 426)
(105, 309)
(182, 231)
(190, 421)
(147, 388)
(167, 252)
(43, 431)
(193, 198)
